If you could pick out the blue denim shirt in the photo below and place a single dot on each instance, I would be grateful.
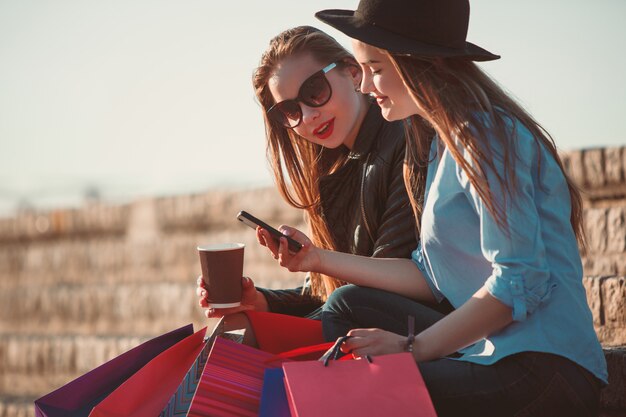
(534, 267)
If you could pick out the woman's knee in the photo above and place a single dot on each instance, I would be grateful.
(349, 296)
(345, 297)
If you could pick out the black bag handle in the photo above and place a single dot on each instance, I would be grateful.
(333, 352)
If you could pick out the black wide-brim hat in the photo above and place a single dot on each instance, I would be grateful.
(432, 28)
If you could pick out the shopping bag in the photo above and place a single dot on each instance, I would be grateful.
(78, 397)
(180, 401)
(276, 333)
(273, 397)
(383, 385)
(147, 392)
(232, 380)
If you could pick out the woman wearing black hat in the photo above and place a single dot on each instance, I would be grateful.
(499, 223)
(334, 156)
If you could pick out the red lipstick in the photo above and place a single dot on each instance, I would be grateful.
(324, 130)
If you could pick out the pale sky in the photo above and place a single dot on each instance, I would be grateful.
(153, 97)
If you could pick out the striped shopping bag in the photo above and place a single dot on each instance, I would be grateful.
(231, 381)
(179, 403)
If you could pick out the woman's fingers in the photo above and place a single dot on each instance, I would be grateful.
(221, 312)
(372, 342)
(200, 292)
(259, 237)
(267, 241)
(247, 282)
(357, 341)
(287, 259)
(283, 252)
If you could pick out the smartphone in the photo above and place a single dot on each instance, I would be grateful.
(248, 219)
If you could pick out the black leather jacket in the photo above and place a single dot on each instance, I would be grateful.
(365, 205)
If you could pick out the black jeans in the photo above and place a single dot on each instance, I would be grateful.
(520, 385)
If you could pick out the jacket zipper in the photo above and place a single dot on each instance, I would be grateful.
(367, 226)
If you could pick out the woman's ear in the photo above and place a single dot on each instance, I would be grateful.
(357, 76)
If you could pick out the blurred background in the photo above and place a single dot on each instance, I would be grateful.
(111, 100)
(129, 133)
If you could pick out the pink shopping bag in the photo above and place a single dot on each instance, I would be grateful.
(389, 385)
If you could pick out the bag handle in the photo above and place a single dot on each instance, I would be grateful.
(333, 352)
(298, 352)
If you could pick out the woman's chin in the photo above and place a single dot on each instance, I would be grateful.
(389, 114)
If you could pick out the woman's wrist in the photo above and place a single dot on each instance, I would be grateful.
(321, 256)
(260, 302)
(419, 349)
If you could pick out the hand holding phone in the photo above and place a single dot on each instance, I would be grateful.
(249, 220)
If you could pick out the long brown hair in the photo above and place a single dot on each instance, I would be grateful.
(298, 164)
(461, 103)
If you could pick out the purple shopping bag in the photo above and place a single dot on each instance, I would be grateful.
(78, 397)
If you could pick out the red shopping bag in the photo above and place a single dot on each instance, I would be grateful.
(389, 385)
(276, 333)
(77, 398)
(148, 391)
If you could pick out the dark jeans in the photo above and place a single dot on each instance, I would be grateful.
(520, 385)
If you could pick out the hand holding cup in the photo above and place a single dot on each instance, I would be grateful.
(251, 299)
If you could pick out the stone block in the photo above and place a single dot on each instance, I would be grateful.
(16, 407)
(589, 266)
(614, 168)
(593, 160)
(614, 302)
(594, 299)
(95, 219)
(217, 209)
(619, 264)
(60, 353)
(575, 167)
(616, 230)
(595, 229)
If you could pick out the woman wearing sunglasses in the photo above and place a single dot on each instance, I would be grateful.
(499, 223)
(334, 156)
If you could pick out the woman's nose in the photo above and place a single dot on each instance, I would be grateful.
(309, 114)
(366, 83)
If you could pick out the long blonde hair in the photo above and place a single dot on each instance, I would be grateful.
(452, 93)
(298, 164)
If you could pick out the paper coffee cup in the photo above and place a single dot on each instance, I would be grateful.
(222, 270)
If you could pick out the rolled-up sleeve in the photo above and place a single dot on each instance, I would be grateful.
(520, 277)
(418, 259)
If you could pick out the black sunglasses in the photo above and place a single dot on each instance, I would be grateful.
(315, 91)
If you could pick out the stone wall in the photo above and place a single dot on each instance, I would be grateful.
(601, 175)
(80, 286)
